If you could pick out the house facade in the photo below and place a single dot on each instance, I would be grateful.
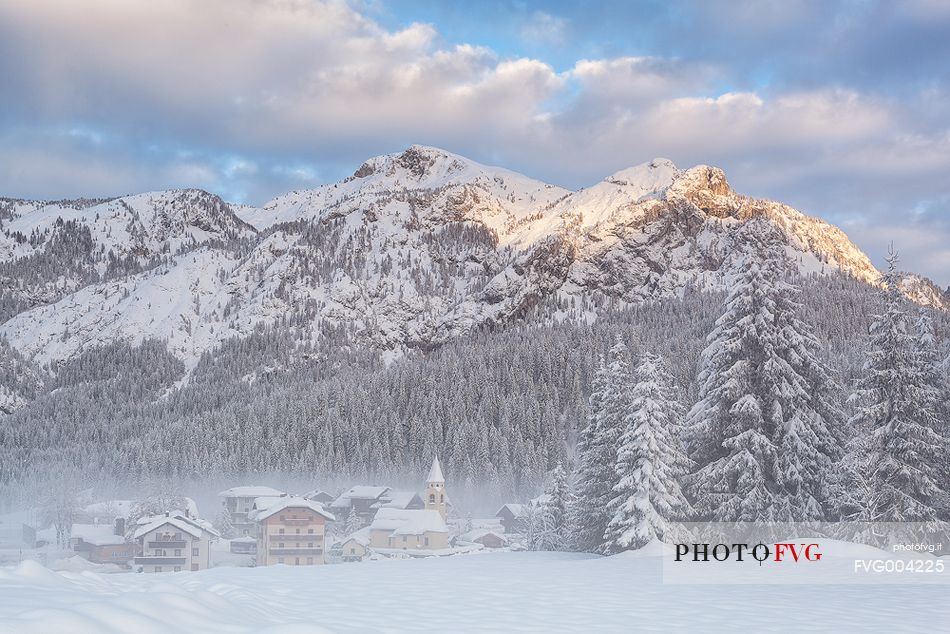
(291, 531)
(239, 502)
(103, 543)
(118, 552)
(356, 546)
(173, 544)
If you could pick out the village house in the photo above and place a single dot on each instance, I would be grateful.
(512, 517)
(400, 500)
(172, 543)
(355, 547)
(484, 536)
(103, 543)
(318, 495)
(239, 502)
(364, 500)
(291, 530)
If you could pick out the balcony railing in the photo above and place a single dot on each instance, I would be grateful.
(167, 544)
(160, 561)
(295, 551)
(294, 537)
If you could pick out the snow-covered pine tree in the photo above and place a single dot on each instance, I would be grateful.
(223, 523)
(763, 433)
(585, 516)
(596, 474)
(898, 462)
(650, 463)
(352, 523)
(554, 524)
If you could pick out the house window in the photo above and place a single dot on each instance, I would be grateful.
(310, 531)
(309, 544)
(178, 552)
(194, 552)
(298, 531)
(177, 568)
(194, 566)
(281, 531)
(427, 541)
(158, 568)
(404, 538)
(432, 498)
(296, 561)
(441, 497)
(280, 560)
(280, 545)
(352, 551)
(310, 561)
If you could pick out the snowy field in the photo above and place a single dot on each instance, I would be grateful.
(498, 592)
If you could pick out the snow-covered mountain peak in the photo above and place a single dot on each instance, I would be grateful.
(424, 165)
(419, 185)
(650, 177)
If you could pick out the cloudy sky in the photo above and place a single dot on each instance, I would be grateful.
(841, 109)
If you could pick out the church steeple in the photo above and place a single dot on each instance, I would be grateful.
(435, 497)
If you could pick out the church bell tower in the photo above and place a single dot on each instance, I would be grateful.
(435, 497)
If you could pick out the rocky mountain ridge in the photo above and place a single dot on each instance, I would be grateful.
(413, 249)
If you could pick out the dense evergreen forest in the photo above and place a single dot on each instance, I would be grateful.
(502, 407)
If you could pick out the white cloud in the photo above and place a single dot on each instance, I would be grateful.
(280, 88)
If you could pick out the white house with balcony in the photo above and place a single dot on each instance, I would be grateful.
(173, 543)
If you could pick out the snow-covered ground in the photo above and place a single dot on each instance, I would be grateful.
(497, 592)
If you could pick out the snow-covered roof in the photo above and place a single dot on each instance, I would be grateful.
(399, 500)
(435, 473)
(287, 502)
(316, 494)
(267, 501)
(177, 522)
(359, 492)
(517, 510)
(96, 534)
(478, 533)
(252, 491)
(408, 522)
(360, 537)
(197, 525)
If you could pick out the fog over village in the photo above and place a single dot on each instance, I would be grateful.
(397, 336)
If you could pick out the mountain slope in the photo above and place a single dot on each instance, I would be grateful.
(51, 249)
(413, 249)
